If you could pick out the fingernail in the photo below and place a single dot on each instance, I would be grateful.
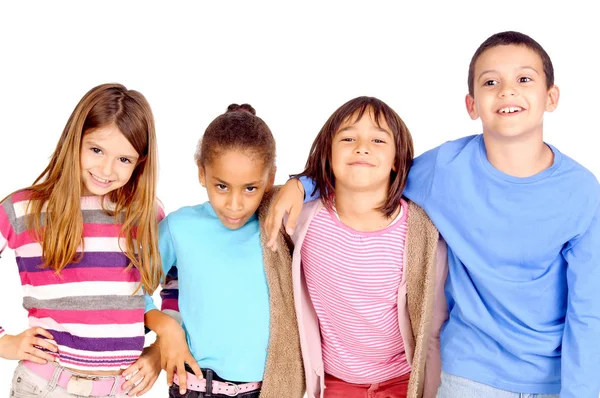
(182, 391)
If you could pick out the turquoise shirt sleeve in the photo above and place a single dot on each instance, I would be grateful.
(580, 348)
(149, 302)
(167, 254)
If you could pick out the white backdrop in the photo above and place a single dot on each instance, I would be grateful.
(294, 62)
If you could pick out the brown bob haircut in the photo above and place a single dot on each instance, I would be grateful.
(318, 165)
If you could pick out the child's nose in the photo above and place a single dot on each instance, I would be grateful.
(235, 202)
(508, 90)
(362, 146)
(107, 168)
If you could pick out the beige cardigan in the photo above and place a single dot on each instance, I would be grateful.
(424, 273)
(284, 373)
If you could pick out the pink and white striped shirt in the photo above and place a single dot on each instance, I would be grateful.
(89, 308)
(353, 280)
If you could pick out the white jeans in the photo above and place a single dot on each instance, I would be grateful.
(27, 384)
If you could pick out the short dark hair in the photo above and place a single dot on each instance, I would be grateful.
(512, 38)
(238, 128)
(318, 165)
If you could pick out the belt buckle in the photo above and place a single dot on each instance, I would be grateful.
(236, 389)
(80, 386)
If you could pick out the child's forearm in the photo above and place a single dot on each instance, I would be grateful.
(158, 322)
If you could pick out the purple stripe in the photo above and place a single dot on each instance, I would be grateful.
(97, 361)
(112, 344)
(88, 260)
(103, 360)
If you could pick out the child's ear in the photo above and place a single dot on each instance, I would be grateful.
(471, 109)
(202, 175)
(552, 100)
(271, 181)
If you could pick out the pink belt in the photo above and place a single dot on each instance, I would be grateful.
(78, 384)
(195, 383)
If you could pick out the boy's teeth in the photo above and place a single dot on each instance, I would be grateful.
(510, 109)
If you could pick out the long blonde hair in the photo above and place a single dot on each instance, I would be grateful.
(58, 189)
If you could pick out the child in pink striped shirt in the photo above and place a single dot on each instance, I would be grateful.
(367, 263)
(85, 239)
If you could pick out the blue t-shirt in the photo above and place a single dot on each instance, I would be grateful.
(223, 292)
(523, 285)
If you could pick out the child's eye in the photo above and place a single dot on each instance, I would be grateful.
(221, 187)
(125, 160)
(96, 150)
(378, 141)
(251, 189)
(490, 83)
(524, 79)
(347, 139)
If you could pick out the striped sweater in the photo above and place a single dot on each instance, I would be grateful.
(353, 279)
(90, 307)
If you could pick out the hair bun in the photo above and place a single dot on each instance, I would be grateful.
(241, 108)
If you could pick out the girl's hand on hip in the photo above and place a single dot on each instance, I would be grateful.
(28, 346)
(142, 375)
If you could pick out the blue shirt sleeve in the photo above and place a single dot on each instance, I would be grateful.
(420, 177)
(580, 360)
(310, 189)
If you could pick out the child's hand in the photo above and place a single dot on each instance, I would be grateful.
(289, 199)
(175, 353)
(143, 372)
(27, 346)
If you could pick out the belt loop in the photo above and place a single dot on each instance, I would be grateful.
(209, 380)
(113, 392)
(54, 381)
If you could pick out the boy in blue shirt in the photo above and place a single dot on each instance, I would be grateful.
(522, 223)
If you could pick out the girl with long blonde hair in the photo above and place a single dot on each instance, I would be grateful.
(85, 238)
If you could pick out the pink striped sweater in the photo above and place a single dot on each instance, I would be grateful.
(353, 280)
(89, 308)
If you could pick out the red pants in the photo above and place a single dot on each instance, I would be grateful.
(394, 388)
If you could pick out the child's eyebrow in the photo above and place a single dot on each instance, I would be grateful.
(493, 70)
(376, 128)
(91, 143)
(226, 183)
(345, 129)
(385, 131)
(96, 145)
(530, 68)
(485, 72)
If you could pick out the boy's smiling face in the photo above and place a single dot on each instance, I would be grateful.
(510, 93)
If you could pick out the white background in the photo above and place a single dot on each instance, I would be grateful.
(294, 62)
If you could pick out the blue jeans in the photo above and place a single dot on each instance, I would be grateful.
(459, 387)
